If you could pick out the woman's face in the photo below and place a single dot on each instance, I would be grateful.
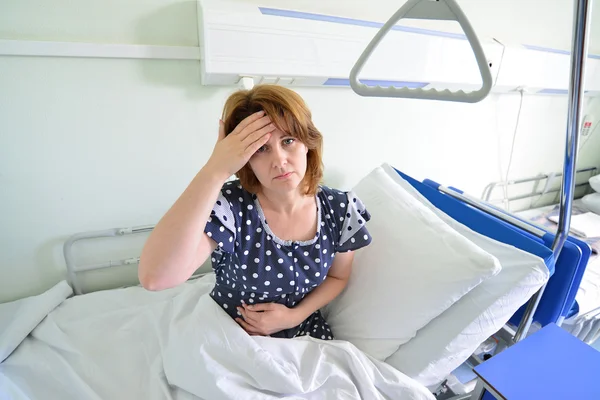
(280, 164)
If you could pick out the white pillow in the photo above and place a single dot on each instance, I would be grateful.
(449, 339)
(592, 202)
(594, 182)
(415, 268)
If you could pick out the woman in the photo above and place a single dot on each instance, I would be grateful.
(282, 245)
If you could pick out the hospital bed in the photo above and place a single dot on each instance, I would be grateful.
(127, 342)
(99, 337)
(582, 316)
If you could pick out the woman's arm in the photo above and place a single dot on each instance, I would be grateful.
(332, 286)
(178, 245)
(268, 318)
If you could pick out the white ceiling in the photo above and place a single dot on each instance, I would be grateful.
(537, 22)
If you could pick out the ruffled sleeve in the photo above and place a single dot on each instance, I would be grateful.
(353, 217)
(221, 225)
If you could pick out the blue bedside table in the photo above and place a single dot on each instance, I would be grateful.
(549, 364)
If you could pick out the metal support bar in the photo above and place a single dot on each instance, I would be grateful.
(493, 211)
(488, 190)
(108, 264)
(67, 247)
(579, 50)
(461, 397)
(71, 266)
(534, 194)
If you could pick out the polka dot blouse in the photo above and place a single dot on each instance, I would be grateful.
(252, 265)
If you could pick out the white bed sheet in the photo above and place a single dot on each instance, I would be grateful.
(178, 344)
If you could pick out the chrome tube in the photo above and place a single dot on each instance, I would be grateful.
(579, 53)
(69, 260)
(490, 209)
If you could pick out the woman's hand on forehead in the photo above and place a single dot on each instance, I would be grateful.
(233, 151)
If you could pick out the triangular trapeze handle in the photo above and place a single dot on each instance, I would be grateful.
(426, 9)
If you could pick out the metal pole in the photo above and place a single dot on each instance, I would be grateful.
(579, 53)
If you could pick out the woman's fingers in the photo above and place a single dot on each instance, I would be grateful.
(252, 123)
(247, 121)
(253, 147)
(258, 134)
(254, 127)
(251, 318)
(247, 327)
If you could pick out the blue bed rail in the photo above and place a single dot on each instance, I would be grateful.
(558, 299)
(570, 266)
(559, 303)
(481, 222)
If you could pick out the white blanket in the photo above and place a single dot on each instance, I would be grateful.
(178, 344)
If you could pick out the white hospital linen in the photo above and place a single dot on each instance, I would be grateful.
(19, 317)
(178, 344)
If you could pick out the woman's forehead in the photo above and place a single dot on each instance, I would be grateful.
(277, 134)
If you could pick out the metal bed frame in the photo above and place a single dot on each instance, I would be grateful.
(486, 196)
(73, 268)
